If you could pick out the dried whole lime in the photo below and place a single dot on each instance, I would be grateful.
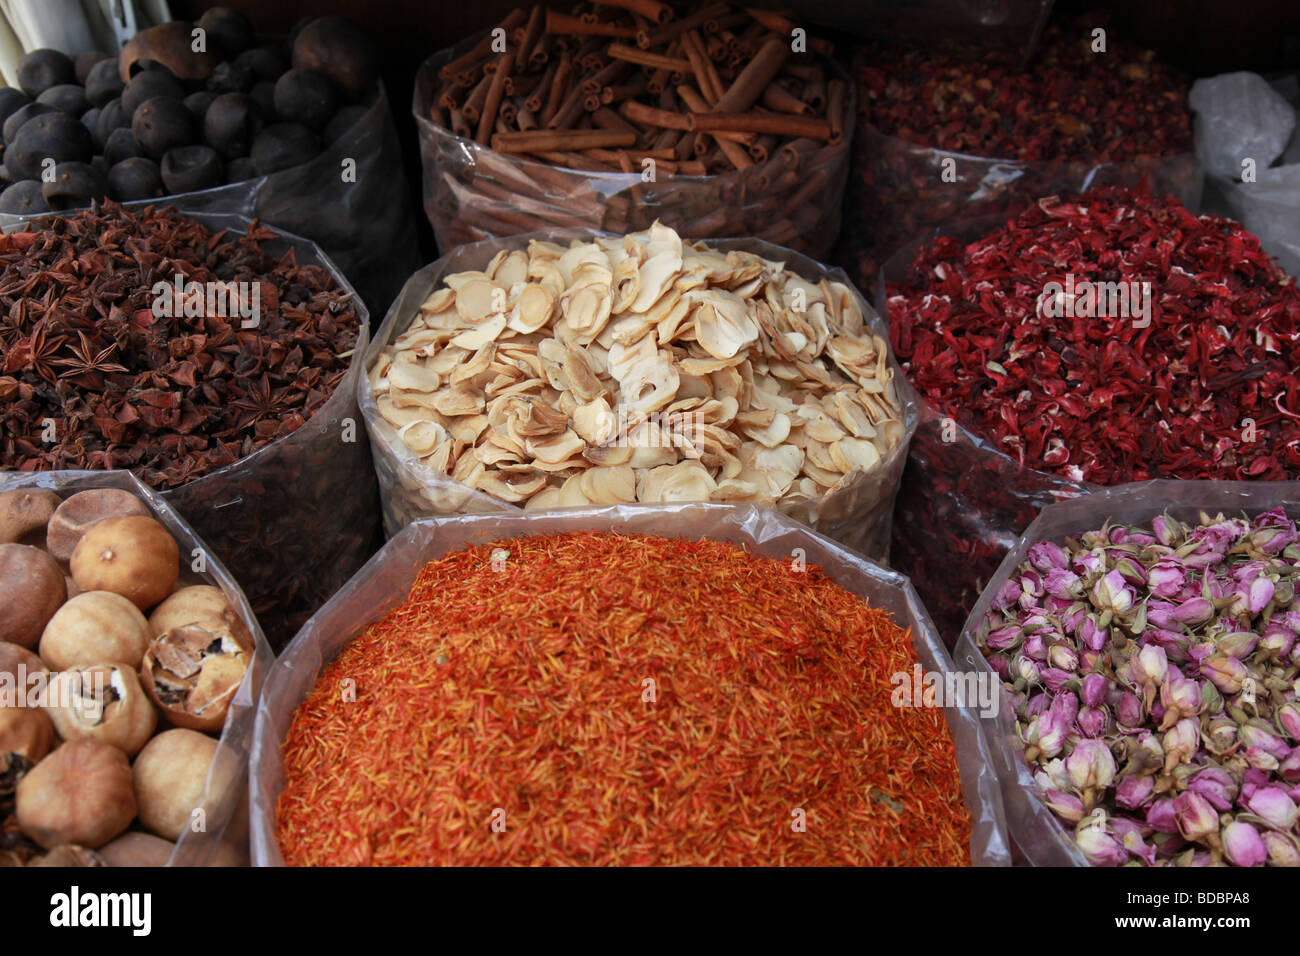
(201, 604)
(82, 793)
(94, 627)
(25, 510)
(193, 674)
(26, 731)
(135, 557)
(31, 590)
(171, 776)
(82, 511)
(137, 849)
(103, 702)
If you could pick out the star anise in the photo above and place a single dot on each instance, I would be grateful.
(35, 353)
(87, 367)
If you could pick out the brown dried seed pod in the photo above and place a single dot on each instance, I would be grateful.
(80, 512)
(93, 627)
(193, 673)
(82, 793)
(25, 730)
(171, 774)
(135, 557)
(25, 510)
(103, 703)
(31, 590)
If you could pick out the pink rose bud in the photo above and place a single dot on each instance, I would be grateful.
(1258, 734)
(1162, 816)
(1260, 759)
(1224, 672)
(1134, 790)
(1238, 644)
(1181, 742)
(1287, 717)
(1273, 806)
(1129, 834)
(1063, 656)
(1261, 592)
(1277, 641)
(1007, 595)
(1052, 730)
(1129, 712)
(1090, 765)
(1035, 647)
(1091, 635)
(1047, 555)
(1242, 845)
(1055, 679)
(1094, 690)
(1111, 593)
(1066, 806)
(1194, 612)
(1100, 848)
(1063, 583)
(1004, 638)
(1150, 665)
(1282, 849)
(1026, 669)
(1216, 786)
(1181, 695)
(1169, 533)
(1166, 579)
(1196, 817)
(1092, 721)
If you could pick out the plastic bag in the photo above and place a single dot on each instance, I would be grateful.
(858, 515)
(296, 518)
(224, 794)
(384, 582)
(1242, 116)
(1034, 829)
(473, 193)
(897, 190)
(365, 226)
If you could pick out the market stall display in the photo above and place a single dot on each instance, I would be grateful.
(216, 363)
(129, 659)
(640, 368)
(717, 122)
(582, 736)
(1146, 639)
(297, 133)
(940, 137)
(1092, 341)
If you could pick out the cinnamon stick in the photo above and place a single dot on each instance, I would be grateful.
(778, 124)
(543, 141)
(654, 61)
(754, 78)
(652, 10)
(563, 23)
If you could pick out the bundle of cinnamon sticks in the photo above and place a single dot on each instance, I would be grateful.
(720, 121)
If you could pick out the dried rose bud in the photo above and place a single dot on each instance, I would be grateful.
(1288, 719)
(1242, 844)
(1090, 765)
(1196, 818)
(1226, 673)
(1214, 785)
(1098, 846)
(1283, 849)
(1066, 806)
(1162, 816)
(1273, 806)
(1134, 790)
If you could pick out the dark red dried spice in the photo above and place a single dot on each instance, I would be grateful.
(1210, 389)
(173, 397)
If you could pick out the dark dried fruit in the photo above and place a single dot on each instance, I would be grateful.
(343, 122)
(231, 78)
(231, 124)
(41, 69)
(264, 61)
(112, 115)
(263, 94)
(229, 29)
(85, 64)
(67, 98)
(53, 135)
(121, 145)
(284, 146)
(23, 198)
(172, 46)
(104, 84)
(149, 85)
(14, 122)
(191, 168)
(11, 101)
(198, 103)
(306, 97)
(238, 170)
(162, 124)
(340, 50)
(135, 178)
(75, 185)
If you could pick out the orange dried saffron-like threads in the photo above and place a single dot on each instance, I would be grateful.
(620, 699)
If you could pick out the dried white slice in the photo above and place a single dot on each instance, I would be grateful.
(657, 275)
(556, 448)
(595, 422)
(684, 481)
(422, 436)
(479, 336)
(548, 497)
(477, 299)
(532, 309)
(512, 487)
(611, 485)
(851, 453)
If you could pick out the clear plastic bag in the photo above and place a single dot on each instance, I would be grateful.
(384, 582)
(473, 193)
(223, 798)
(366, 226)
(858, 515)
(1034, 829)
(296, 518)
(897, 190)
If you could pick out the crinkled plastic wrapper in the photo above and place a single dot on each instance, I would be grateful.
(898, 190)
(1036, 832)
(296, 518)
(365, 225)
(472, 192)
(858, 515)
(224, 795)
(385, 581)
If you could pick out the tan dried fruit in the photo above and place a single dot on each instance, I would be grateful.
(82, 793)
(104, 703)
(25, 510)
(93, 627)
(192, 674)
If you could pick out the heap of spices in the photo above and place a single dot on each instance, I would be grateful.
(1155, 672)
(1073, 108)
(133, 375)
(1010, 338)
(639, 369)
(600, 699)
(639, 88)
